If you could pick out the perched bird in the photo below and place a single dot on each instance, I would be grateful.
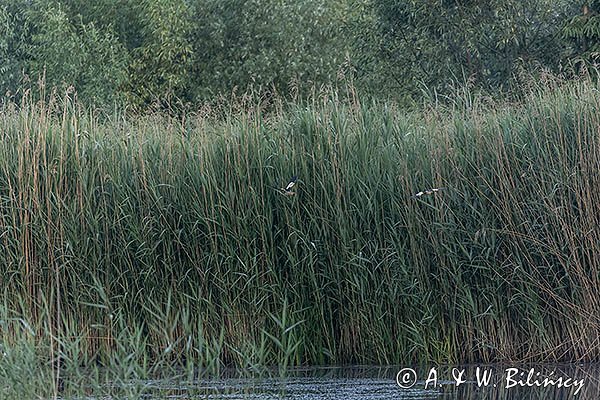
(291, 184)
(426, 192)
(287, 190)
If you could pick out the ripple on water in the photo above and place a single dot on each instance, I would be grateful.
(364, 383)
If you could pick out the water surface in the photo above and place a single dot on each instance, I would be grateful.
(506, 382)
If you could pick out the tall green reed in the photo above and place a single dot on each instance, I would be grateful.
(139, 241)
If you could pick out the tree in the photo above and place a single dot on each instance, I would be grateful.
(14, 44)
(265, 44)
(68, 52)
(583, 34)
(434, 43)
(123, 17)
(160, 70)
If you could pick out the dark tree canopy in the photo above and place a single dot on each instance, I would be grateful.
(143, 52)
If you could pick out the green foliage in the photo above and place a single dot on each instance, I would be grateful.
(436, 43)
(121, 16)
(69, 52)
(14, 33)
(161, 65)
(160, 243)
(185, 52)
(266, 44)
(583, 33)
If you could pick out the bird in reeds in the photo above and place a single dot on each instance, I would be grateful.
(288, 189)
(291, 184)
(426, 192)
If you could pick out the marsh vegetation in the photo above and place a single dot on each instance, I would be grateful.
(136, 245)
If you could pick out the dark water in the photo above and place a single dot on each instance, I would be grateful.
(357, 383)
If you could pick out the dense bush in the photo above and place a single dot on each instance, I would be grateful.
(583, 33)
(67, 52)
(161, 65)
(435, 44)
(239, 44)
(14, 45)
(147, 52)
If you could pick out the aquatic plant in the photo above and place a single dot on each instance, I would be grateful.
(144, 242)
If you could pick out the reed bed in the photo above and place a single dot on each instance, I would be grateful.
(133, 242)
